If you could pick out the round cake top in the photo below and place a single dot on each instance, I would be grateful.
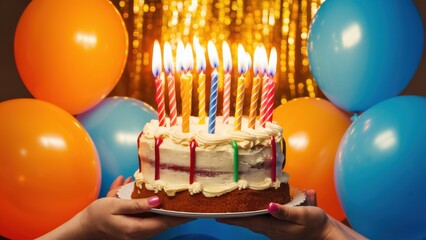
(246, 138)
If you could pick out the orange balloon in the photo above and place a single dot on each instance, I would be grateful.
(49, 168)
(313, 129)
(71, 53)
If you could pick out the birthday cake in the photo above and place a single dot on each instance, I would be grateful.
(228, 171)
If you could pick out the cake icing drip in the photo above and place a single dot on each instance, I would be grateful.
(208, 190)
(246, 138)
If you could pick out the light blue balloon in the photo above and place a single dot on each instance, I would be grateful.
(362, 52)
(114, 125)
(208, 229)
(380, 170)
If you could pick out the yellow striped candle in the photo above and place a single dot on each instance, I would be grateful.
(201, 67)
(186, 94)
(255, 90)
(227, 65)
(239, 104)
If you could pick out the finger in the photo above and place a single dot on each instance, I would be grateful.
(117, 182)
(311, 197)
(129, 179)
(294, 214)
(135, 206)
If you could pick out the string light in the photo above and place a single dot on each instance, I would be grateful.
(283, 24)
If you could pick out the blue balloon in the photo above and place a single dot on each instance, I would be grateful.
(362, 52)
(114, 125)
(208, 229)
(380, 170)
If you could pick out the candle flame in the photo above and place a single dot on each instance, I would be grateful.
(156, 59)
(263, 58)
(272, 62)
(242, 59)
(180, 52)
(227, 59)
(256, 61)
(168, 58)
(201, 58)
(188, 60)
(213, 57)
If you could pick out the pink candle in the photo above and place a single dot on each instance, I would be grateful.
(271, 84)
(264, 99)
(227, 65)
(159, 79)
(169, 69)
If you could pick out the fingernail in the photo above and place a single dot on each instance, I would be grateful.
(154, 201)
(273, 207)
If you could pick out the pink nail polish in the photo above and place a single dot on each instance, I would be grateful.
(154, 201)
(273, 207)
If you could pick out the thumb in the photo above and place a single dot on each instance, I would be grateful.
(135, 206)
(287, 213)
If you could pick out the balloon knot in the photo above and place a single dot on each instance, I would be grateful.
(355, 116)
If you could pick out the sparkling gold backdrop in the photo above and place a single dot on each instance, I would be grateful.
(282, 24)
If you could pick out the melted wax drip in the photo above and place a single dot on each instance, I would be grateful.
(274, 159)
(193, 145)
(158, 142)
(139, 158)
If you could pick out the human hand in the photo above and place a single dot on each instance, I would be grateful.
(126, 219)
(288, 222)
(114, 218)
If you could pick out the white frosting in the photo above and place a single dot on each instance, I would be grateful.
(224, 134)
(214, 156)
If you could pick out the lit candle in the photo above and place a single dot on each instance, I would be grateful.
(255, 90)
(201, 67)
(214, 62)
(186, 92)
(159, 89)
(271, 83)
(227, 65)
(239, 103)
(169, 69)
(180, 52)
(263, 58)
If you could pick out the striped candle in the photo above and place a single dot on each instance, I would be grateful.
(271, 85)
(239, 104)
(264, 98)
(214, 61)
(186, 93)
(159, 98)
(159, 89)
(169, 69)
(227, 65)
(255, 90)
(201, 67)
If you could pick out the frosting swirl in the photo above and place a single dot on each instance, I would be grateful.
(246, 138)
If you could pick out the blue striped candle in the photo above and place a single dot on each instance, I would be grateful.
(214, 61)
(213, 102)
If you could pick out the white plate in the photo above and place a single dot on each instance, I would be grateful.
(125, 192)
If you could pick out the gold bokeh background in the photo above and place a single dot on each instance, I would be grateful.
(283, 24)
